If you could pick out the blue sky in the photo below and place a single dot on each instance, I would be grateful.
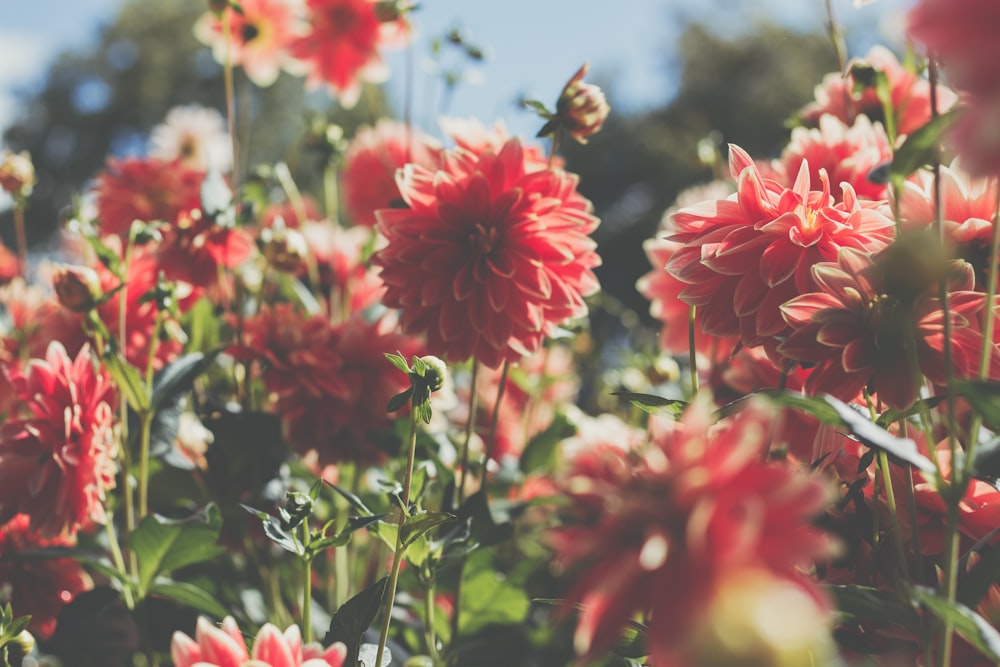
(533, 45)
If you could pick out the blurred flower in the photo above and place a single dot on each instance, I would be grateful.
(371, 162)
(658, 531)
(341, 46)
(38, 587)
(488, 259)
(350, 285)
(284, 249)
(149, 190)
(57, 463)
(260, 34)
(582, 107)
(17, 174)
(848, 154)
(290, 215)
(225, 646)
(77, 287)
(473, 136)
(10, 265)
(910, 95)
(194, 135)
(856, 333)
(744, 256)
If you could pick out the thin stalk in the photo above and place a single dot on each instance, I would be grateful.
(22, 237)
(119, 560)
(553, 147)
(330, 194)
(126, 452)
(890, 497)
(295, 198)
(307, 629)
(397, 556)
(429, 608)
(692, 354)
(227, 77)
(468, 432)
(146, 422)
(491, 443)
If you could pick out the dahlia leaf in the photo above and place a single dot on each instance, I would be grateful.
(489, 597)
(974, 628)
(986, 467)
(873, 435)
(984, 397)
(422, 523)
(127, 379)
(162, 545)
(399, 400)
(816, 407)
(188, 594)
(921, 147)
(276, 532)
(170, 387)
(974, 583)
(875, 604)
(654, 405)
(540, 452)
(398, 361)
(353, 618)
(891, 416)
(108, 257)
(485, 528)
(354, 500)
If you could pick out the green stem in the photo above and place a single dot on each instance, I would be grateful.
(306, 587)
(429, 608)
(227, 76)
(330, 194)
(146, 421)
(119, 561)
(22, 237)
(491, 443)
(397, 556)
(468, 432)
(890, 497)
(692, 354)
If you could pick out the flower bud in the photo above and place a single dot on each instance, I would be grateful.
(78, 288)
(435, 373)
(582, 107)
(285, 249)
(25, 642)
(17, 174)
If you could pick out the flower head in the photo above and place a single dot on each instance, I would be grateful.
(225, 647)
(582, 107)
(149, 190)
(77, 287)
(660, 535)
(57, 462)
(259, 35)
(194, 135)
(744, 256)
(17, 174)
(489, 258)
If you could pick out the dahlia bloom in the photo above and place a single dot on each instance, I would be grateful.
(489, 258)
(857, 334)
(350, 285)
(37, 586)
(910, 95)
(582, 107)
(659, 537)
(10, 265)
(472, 135)
(370, 164)
(341, 45)
(147, 190)
(194, 135)
(968, 205)
(848, 153)
(58, 461)
(744, 256)
(962, 33)
(259, 35)
(225, 647)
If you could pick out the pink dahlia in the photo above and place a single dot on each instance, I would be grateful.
(349, 284)
(848, 154)
(259, 35)
(38, 587)
(659, 537)
(910, 95)
(489, 258)
(145, 189)
(370, 164)
(472, 135)
(857, 334)
(341, 45)
(225, 646)
(962, 33)
(968, 206)
(744, 256)
(57, 461)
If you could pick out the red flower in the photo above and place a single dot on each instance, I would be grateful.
(38, 587)
(848, 154)
(147, 190)
(341, 46)
(488, 259)
(57, 463)
(963, 34)
(350, 285)
(857, 334)
(743, 257)
(910, 94)
(259, 34)
(370, 164)
(660, 537)
(226, 647)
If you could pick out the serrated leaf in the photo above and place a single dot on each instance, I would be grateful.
(540, 452)
(190, 595)
(422, 523)
(162, 545)
(974, 628)
(654, 405)
(489, 597)
(921, 146)
(872, 435)
(353, 618)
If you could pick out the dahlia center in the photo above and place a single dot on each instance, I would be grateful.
(249, 32)
(483, 240)
(885, 320)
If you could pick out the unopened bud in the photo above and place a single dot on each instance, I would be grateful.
(582, 107)
(285, 249)
(17, 174)
(78, 288)
(435, 373)
(25, 642)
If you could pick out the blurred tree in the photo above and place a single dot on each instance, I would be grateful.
(103, 102)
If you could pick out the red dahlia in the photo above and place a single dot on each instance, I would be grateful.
(489, 257)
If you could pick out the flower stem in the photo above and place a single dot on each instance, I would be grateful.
(397, 556)
(429, 621)
(119, 560)
(307, 629)
(468, 432)
(22, 237)
(692, 354)
(491, 443)
(146, 421)
(227, 77)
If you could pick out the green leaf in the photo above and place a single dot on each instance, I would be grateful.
(353, 618)
(354, 500)
(984, 397)
(892, 416)
(974, 628)
(654, 405)
(398, 361)
(540, 452)
(973, 584)
(129, 382)
(484, 528)
(488, 597)
(188, 594)
(875, 604)
(872, 435)
(420, 524)
(418, 365)
(276, 533)
(108, 257)
(107, 570)
(537, 107)
(921, 147)
(175, 379)
(162, 545)
(399, 400)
